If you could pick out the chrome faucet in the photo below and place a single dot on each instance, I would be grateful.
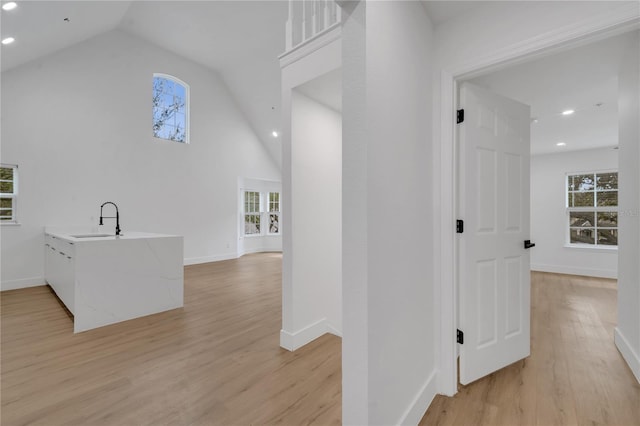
(116, 217)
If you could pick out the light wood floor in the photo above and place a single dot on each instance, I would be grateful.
(574, 376)
(214, 362)
(217, 361)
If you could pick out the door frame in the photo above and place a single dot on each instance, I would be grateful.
(618, 21)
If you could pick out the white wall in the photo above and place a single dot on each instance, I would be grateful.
(549, 217)
(389, 341)
(78, 123)
(486, 37)
(628, 330)
(311, 205)
(317, 226)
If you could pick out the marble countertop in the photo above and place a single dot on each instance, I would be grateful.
(84, 235)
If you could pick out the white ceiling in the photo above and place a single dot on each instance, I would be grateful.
(326, 89)
(241, 40)
(576, 79)
(442, 11)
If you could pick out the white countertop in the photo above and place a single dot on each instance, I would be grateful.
(71, 235)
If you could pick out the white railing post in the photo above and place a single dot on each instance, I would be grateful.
(304, 21)
(314, 18)
(288, 30)
(325, 13)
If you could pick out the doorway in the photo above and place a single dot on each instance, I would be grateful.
(479, 74)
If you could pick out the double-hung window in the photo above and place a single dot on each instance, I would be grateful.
(251, 213)
(592, 207)
(8, 193)
(274, 212)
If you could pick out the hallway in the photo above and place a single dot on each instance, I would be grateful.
(574, 375)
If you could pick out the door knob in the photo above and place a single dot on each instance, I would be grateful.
(527, 244)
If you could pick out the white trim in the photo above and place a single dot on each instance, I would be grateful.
(322, 39)
(22, 283)
(621, 19)
(421, 401)
(207, 259)
(592, 247)
(297, 339)
(629, 355)
(260, 250)
(587, 272)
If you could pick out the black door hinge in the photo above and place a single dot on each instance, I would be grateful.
(460, 337)
(459, 226)
(460, 116)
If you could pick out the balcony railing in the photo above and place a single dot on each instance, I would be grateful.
(310, 18)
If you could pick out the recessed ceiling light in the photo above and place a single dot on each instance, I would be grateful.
(10, 5)
(274, 134)
(561, 144)
(568, 112)
(534, 120)
(8, 40)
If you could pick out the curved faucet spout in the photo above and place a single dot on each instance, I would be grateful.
(116, 217)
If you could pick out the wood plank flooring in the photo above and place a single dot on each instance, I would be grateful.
(574, 376)
(217, 361)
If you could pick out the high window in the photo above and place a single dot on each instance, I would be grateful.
(251, 213)
(8, 193)
(274, 212)
(170, 108)
(592, 206)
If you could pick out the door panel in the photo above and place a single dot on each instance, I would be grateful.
(494, 203)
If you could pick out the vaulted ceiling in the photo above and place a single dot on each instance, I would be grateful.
(241, 40)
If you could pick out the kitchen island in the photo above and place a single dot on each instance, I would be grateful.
(104, 279)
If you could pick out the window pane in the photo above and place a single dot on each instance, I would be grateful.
(583, 199)
(582, 236)
(169, 109)
(274, 223)
(251, 224)
(608, 237)
(6, 173)
(583, 183)
(570, 199)
(608, 220)
(6, 187)
(582, 219)
(6, 203)
(608, 198)
(607, 181)
(6, 214)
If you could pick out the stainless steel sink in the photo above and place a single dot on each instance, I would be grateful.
(92, 235)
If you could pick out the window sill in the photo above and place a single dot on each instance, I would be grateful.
(602, 249)
(10, 223)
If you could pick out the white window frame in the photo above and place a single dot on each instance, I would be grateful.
(11, 195)
(269, 212)
(187, 103)
(595, 208)
(258, 213)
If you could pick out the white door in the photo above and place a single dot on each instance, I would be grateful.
(493, 200)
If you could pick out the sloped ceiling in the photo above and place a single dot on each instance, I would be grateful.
(241, 40)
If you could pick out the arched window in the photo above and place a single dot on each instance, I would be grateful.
(170, 108)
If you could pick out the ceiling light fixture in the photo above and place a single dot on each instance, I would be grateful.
(568, 112)
(8, 40)
(10, 5)
(561, 144)
(534, 120)
(274, 134)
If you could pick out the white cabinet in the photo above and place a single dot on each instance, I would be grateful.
(60, 269)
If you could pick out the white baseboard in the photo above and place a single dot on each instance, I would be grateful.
(261, 250)
(296, 340)
(22, 283)
(588, 272)
(629, 355)
(207, 259)
(421, 402)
